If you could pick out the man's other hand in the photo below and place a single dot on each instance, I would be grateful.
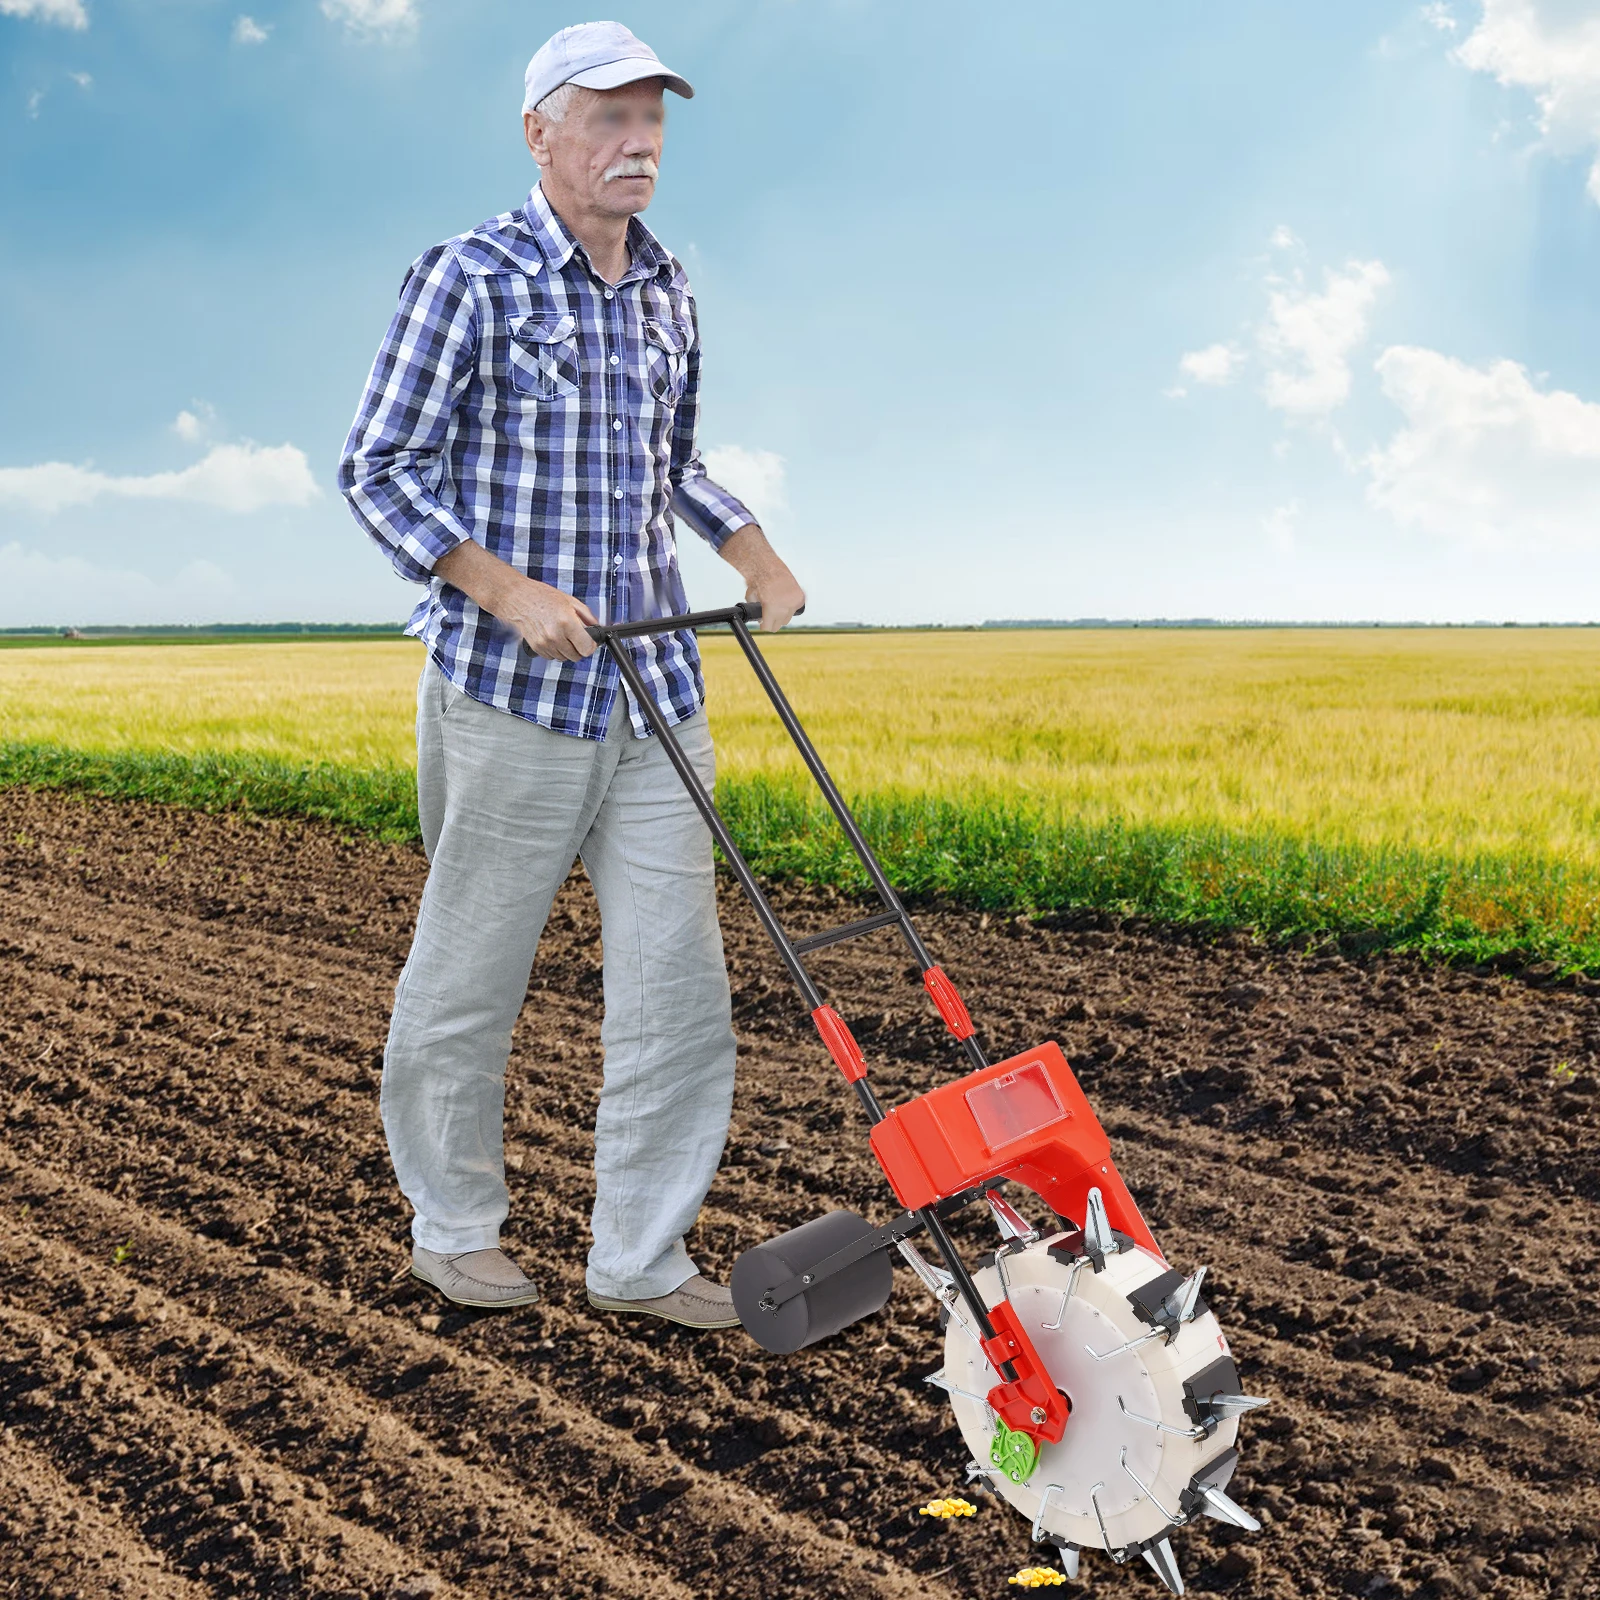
(552, 624)
(768, 581)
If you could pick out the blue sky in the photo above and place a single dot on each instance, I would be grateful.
(1246, 310)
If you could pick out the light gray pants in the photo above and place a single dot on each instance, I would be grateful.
(506, 806)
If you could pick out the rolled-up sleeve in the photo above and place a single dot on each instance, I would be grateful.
(707, 507)
(391, 468)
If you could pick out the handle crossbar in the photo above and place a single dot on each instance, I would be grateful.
(745, 611)
(846, 930)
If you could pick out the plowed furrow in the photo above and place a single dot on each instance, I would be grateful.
(1421, 1426)
(195, 1491)
(311, 1427)
(58, 1535)
(389, 1374)
(1259, 1198)
(1392, 1169)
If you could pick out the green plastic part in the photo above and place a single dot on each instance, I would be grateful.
(1016, 1454)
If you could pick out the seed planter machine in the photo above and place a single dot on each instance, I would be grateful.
(1088, 1377)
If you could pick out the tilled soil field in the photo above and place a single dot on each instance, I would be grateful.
(216, 1377)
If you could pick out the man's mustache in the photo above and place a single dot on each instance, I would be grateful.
(633, 167)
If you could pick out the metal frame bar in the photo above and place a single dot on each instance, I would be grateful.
(849, 930)
(891, 1233)
(737, 618)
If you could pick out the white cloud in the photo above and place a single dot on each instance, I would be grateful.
(35, 100)
(1486, 457)
(67, 13)
(83, 79)
(1279, 525)
(755, 476)
(1440, 15)
(381, 18)
(193, 426)
(248, 31)
(231, 477)
(1307, 337)
(1552, 49)
(37, 590)
(1483, 455)
(1217, 364)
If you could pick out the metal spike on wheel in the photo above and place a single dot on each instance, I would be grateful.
(1098, 1239)
(1187, 1295)
(1225, 1509)
(1164, 1564)
(1007, 1219)
(1234, 1405)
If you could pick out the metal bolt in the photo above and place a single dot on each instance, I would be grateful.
(1037, 1414)
(805, 1277)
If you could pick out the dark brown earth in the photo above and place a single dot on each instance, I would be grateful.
(217, 1379)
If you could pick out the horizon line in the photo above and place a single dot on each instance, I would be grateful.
(994, 624)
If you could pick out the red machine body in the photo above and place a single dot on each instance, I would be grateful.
(1025, 1119)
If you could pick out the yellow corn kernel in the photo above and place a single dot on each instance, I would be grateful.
(952, 1507)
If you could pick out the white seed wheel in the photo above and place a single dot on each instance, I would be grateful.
(1112, 1481)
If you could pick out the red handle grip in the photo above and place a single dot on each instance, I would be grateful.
(841, 1043)
(951, 1006)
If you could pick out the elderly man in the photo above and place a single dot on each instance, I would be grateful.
(526, 434)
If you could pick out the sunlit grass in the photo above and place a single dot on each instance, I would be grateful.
(349, 703)
(1432, 788)
(1461, 740)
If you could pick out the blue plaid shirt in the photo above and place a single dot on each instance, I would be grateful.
(521, 401)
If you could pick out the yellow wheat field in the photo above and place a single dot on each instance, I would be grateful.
(1461, 740)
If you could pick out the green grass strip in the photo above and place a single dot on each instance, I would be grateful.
(1020, 858)
(379, 801)
(988, 856)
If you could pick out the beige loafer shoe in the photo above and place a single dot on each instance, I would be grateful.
(485, 1278)
(696, 1304)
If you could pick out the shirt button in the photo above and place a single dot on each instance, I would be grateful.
(616, 494)
(613, 358)
(616, 561)
(611, 294)
(616, 422)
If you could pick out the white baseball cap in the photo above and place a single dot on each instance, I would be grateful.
(595, 55)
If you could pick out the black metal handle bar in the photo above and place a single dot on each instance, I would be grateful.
(745, 610)
(736, 617)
